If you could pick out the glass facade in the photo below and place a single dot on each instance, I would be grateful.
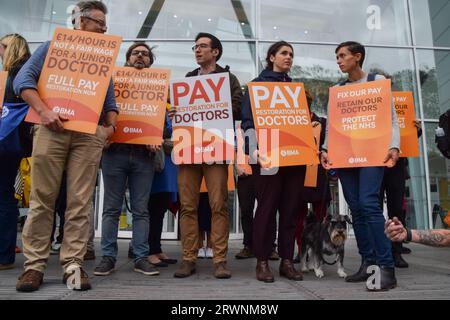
(408, 40)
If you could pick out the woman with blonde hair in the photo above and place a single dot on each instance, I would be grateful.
(14, 52)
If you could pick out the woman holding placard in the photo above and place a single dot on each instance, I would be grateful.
(277, 189)
(14, 52)
(361, 185)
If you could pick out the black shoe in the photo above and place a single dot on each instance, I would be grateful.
(399, 261)
(361, 275)
(105, 267)
(145, 267)
(406, 250)
(387, 280)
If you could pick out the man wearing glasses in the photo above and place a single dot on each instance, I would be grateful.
(56, 149)
(132, 163)
(208, 50)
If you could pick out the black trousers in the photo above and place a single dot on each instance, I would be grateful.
(394, 185)
(280, 193)
(157, 207)
(247, 196)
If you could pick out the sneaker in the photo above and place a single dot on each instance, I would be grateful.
(29, 281)
(221, 271)
(145, 267)
(89, 255)
(209, 253)
(274, 255)
(186, 269)
(81, 284)
(201, 253)
(6, 266)
(105, 267)
(245, 253)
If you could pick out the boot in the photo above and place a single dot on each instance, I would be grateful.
(361, 275)
(387, 280)
(263, 272)
(399, 261)
(287, 270)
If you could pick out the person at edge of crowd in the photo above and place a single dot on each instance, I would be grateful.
(205, 250)
(56, 149)
(132, 164)
(319, 196)
(277, 189)
(394, 184)
(60, 209)
(208, 50)
(246, 192)
(361, 186)
(14, 52)
(397, 232)
(164, 192)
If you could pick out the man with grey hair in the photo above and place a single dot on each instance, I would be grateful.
(56, 149)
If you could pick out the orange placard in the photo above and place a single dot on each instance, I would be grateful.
(141, 96)
(283, 124)
(360, 124)
(230, 181)
(75, 77)
(3, 77)
(203, 125)
(241, 158)
(312, 169)
(404, 107)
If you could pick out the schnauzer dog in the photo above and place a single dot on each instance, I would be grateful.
(324, 238)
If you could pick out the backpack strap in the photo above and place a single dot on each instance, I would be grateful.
(371, 77)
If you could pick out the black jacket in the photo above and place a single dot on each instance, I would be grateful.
(246, 109)
(235, 89)
(25, 128)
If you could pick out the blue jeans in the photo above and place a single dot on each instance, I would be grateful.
(8, 208)
(361, 188)
(121, 164)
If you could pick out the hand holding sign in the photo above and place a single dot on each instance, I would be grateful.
(53, 120)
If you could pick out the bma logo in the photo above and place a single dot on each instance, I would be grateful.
(132, 130)
(5, 111)
(374, 17)
(287, 153)
(64, 111)
(203, 149)
(357, 160)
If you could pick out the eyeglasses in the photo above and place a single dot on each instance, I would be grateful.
(201, 46)
(100, 23)
(137, 52)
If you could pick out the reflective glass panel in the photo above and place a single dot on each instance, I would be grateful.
(366, 21)
(434, 68)
(430, 21)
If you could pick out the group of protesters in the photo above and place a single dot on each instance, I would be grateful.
(79, 155)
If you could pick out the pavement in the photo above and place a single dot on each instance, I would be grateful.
(427, 278)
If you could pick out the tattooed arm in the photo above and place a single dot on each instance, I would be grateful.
(395, 231)
(435, 238)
